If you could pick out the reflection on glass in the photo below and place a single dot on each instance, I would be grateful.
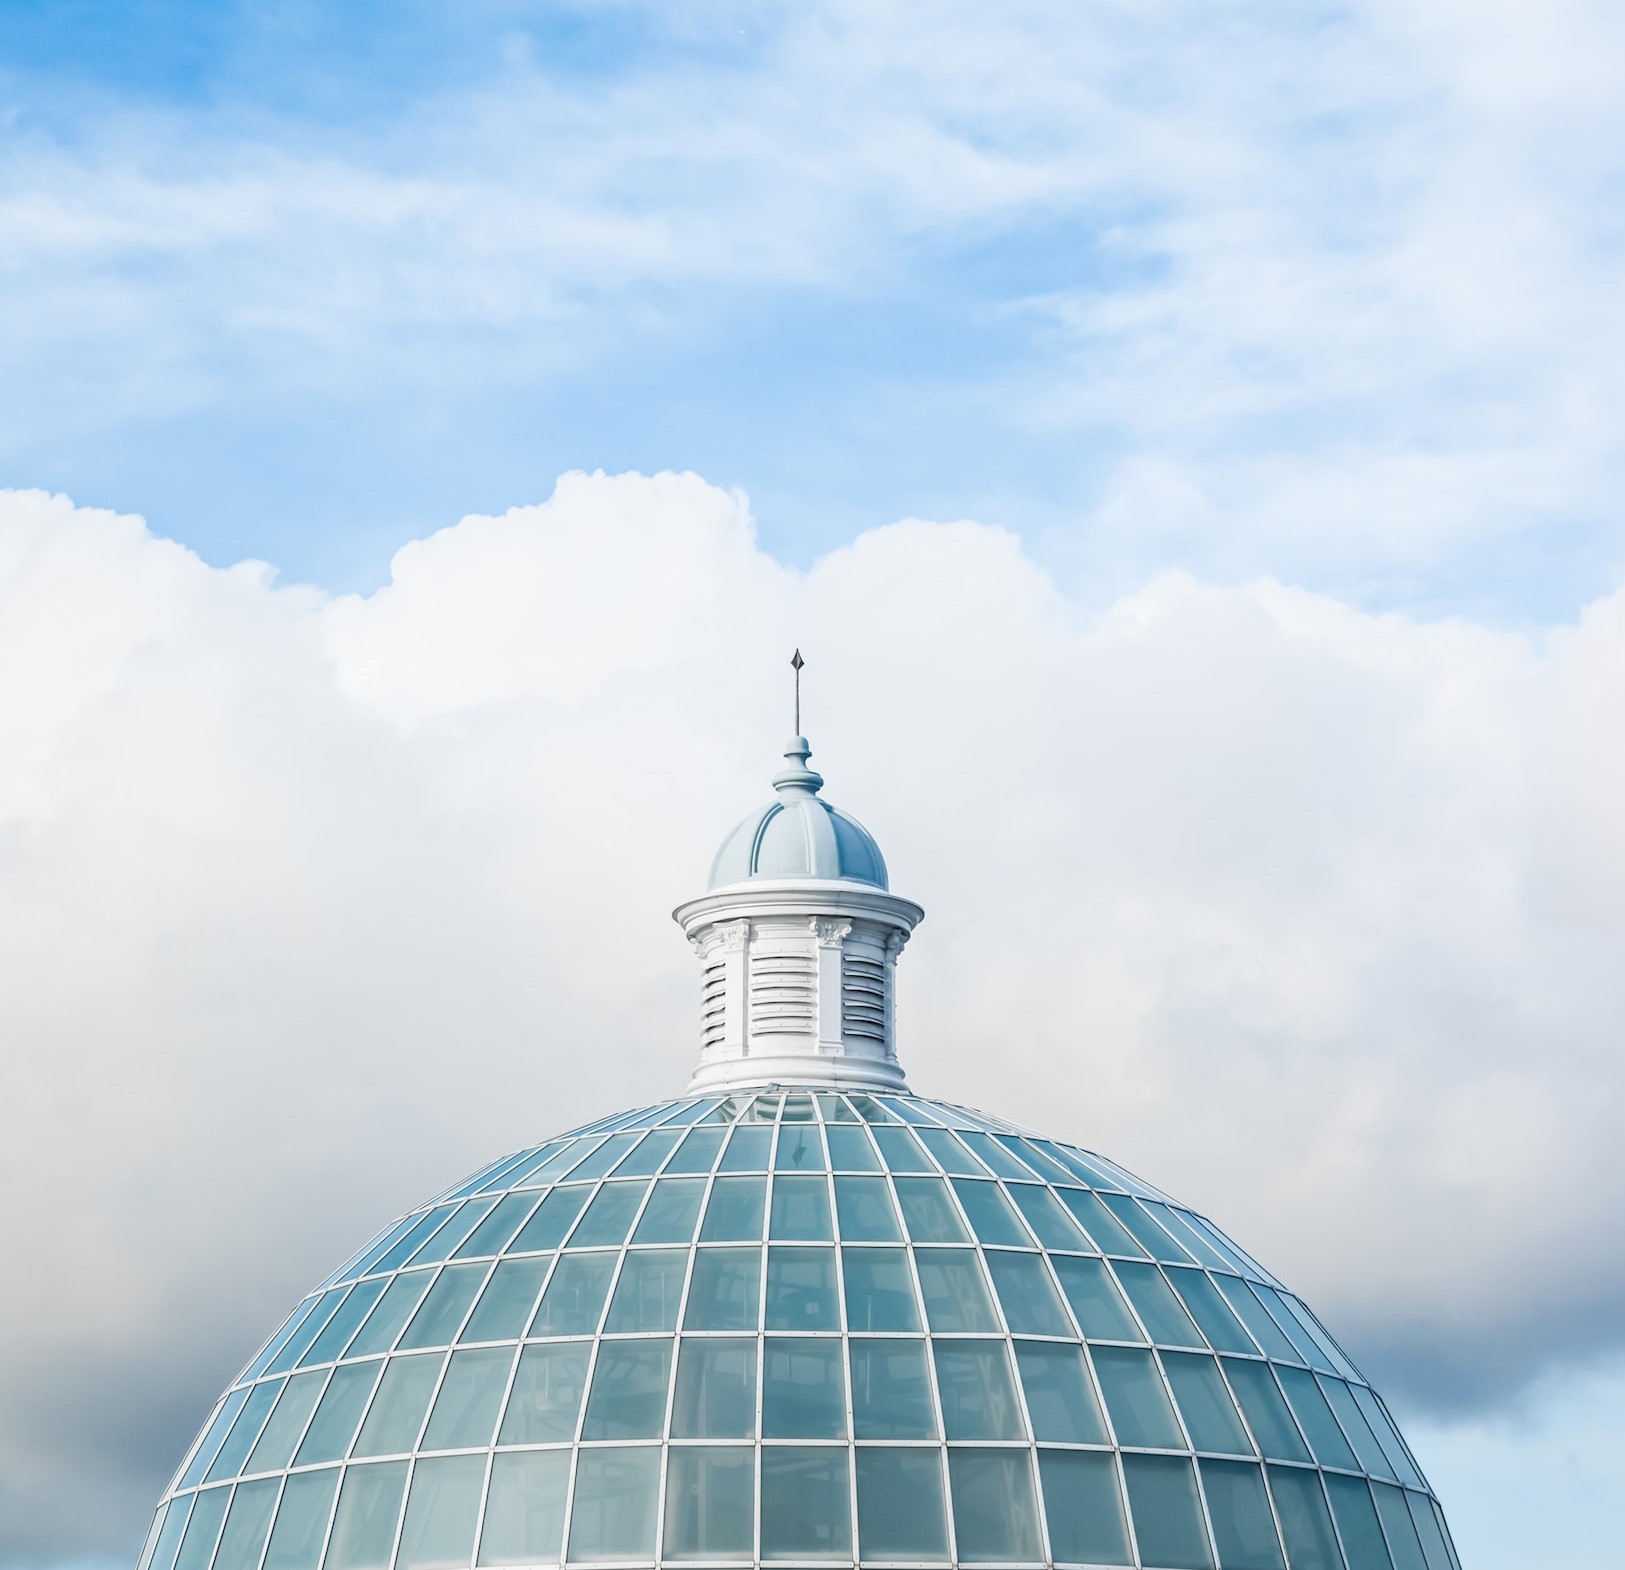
(1135, 1399)
(806, 1508)
(1357, 1522)
(398, 1410)
(879, 1289)
(616, 1492)
(1305, 1524)
(734, 1212)
(995, 1516)
(673, 1208)
(648, 1292)
(1162, 1314)
(1031, 1306)
(992, 1216)
(725, 1291)
(465, 1410)
(1083, 1507)
(546, 1229)
(710, 1503)
(800, 1210)
(1167, 1516)
(891, 1390)
(865, 1209)
(628, 1399)
(803, 1389)
(343, 1402)
(505, 1305)
(1060, 1400)
(1243, 1529)
(978, 1394)
(1098, 1305)
(301, 1520)
(1266, 1412)
(900, 1506)
(524, 1509)
(546, 1397)
(575, 1296)
(801, 1290)
(716, 1389)
(437, 1322)
(928, 1212)
(956, 1297)
(364, 1524)
(247, 1522)
(441, 1513)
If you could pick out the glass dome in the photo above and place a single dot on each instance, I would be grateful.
(796, 1327)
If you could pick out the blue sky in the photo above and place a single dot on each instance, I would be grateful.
(1211, 318)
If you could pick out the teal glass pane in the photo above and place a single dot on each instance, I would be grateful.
(505, 1306)
(800, 1210)
(899, 1150)
(950, 1154)
(1215, 1316)
(1356, 1519)
(1202, 1251)
(606, 1156)
(992, 1216)
(673, 1208)
(397, 1412)
(649, 1152)
(336, 1419)
(546, 1399)
(1167, 1516)
(203, 1530)
(1147, 1233)
(1243, 1528)
(850, 1150)
(1308, 1351)
(798, 1107)
(395, 1307)
(335, 1336)
(552, 1221)
(1096, 1303)
(175, 1518)
(865, 1208)
(524, 1508)
(412, 1239)
(891, 1390)
(1032, 1153)
(1387, 1435)
(928, 1212)
(977, 1391)
(469, 1400)
(1427, 1528)
(1083, 1507)
(1030, 1303)
(629, 1383)
(806, 1503)
(995, 1514)
(710, 1503)
(803, 1388)
(900, 1505)
(1135, 1400)
(879, 1289)
(1315, 1418)
(956, 1297)
(300, 1340)
(800, 1149)
(247, 1523)
(442, 1511)
(1061, 1402)
(467, 1217)
(1103, 1228)
(1049, 1221)
(575, 1295)
(1354, 1426)
(734, 1212)
(608, 1217)
(1162, 1314)
(716, 1389)
(801, 1291)
(1253, 1315)
(364, 1524)
(748, 1150)
(437, 1322)
(1403, 1542)
(1210, 1415)
(613, 1512)
(497, 1231)
(1265, 1411)
(725, 1292)
(835, 1109)
(228, 1461)
(698, 1151)
(649, 1292)
(1305, 1524)
(995, 1157)
(301, 1521)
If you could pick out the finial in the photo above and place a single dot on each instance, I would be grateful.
(796, 662)
(797, 779)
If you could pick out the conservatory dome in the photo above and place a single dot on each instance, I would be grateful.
(800, 1316)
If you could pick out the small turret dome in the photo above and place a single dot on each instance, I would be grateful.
(798, 835)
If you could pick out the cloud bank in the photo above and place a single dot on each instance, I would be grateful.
(308, 904)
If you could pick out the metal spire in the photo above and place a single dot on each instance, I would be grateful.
(796, 662)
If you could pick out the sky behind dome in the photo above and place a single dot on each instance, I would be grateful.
(1186, 433)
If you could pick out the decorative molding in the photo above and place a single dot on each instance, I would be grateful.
(830, 934)
(733, 936)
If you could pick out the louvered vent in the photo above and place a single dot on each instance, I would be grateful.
(783, 994)
(713, 1002)
(863, 999)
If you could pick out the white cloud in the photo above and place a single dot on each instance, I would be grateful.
(307, 904)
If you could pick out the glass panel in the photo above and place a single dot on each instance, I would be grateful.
(900, 1506)
(891, 1390)
(364, 1526)
(716, 1390)
(835, 1109)
(850, 1150)
(725, 1291)
(615, 1498)
(1315, 1419)
(556, 1215)
(1053, 1226)
(202, 1531)
(335, 1336)
(649, 1292)
(698, 1151)
(978, 1394)
(879, 1289)
(1186, 1235)
(524, 1510)
(1266, 1412)
(994, 1156)
(950, 1154)
(301, 1520)
(991, 1215)
(1167, 1516)
(710, 1503)
(899, 1149)
(1305, 1524)
(169, 1538)
(1317, 1333)
(1083, 1507)
(546, 1397)
(648, 1153)
(995, 1519)
(1031, 1306)
(575, 1296)
(806, 1503)
(801, 1290)
(1403, 1543)
(865, 1209)
(229, 1461)
(798, 1107)
(800, 1210)
(1219, 1324)
(1210, 1415)
(1427, 1528)
(494, 1233)
(629, 1382)
(441, 1514)
(928, 1211)
(1354, 1425)
(734, 1213)
(673, 1208)
(465, 1411)
(1387, 1436)
(1161, 1313)
(603, 1158)
(1357, 1524)
(800, 1149)
(307, 1332)
(1243, 1527)
(1146, 1232)
(956, 1297)
(225, 1415)
(246, 1525)
(803, 1389)
(608, 1219)
(1101, 1312)
(1264, 1330)
(1308, 1351)
(1061, 1402)
(1033, 1154)
(398, 1410)
(1138, 1404)
(505, 1305)
(334, 1425)
(748, 1150)
(440, 1318)
(1101, 1225)
(454, 1231)
(410, 1240)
